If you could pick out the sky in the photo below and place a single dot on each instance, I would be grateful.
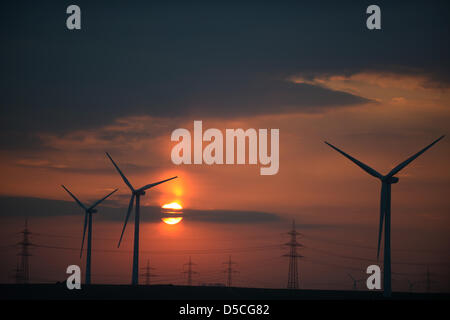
(137, 71)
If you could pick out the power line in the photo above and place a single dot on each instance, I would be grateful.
(371, 260)
(192, 251)
(240, 250)
(235, 250)
(115, 239)
(353, 245)
(309, 237)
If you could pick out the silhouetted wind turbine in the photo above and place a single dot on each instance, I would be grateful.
(385, 206)
(87, 223)
(135, 193)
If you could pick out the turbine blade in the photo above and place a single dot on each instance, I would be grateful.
(382, 212)
(101, 200)
(130, 207)
(75, 198)
(351, 276)
(120, 172)
(155, 184)
(410, 159)
(84, 232)
(363, 166)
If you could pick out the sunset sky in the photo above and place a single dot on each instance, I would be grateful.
(136, 72)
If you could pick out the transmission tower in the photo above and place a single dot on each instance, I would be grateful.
(229, 271)
(411, 285)
(147, 273)
(189, 271)
(293, 256)
(355, 281)
(428, 280)
(17, 275)
(23, 270)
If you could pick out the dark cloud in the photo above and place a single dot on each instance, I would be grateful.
(200, 59)
(107, 169)
(245, 97)
(35, 207)
(230, 216)
(13, 140)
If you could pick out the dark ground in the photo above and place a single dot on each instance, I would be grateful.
(169, 292)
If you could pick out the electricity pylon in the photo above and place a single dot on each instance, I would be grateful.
(189, 271)
(293, 282)
(23, 270)
(411, 285)
(428, 280)
(229, 271)
(355, 281)
(147, 273)
(17, 274)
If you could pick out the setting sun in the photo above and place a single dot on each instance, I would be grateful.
(172, 208)
(172, 205)
(172, 220)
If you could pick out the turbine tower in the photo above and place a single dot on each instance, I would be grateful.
(385, 206)
(293, 256)
(87, 223)
(135, 194)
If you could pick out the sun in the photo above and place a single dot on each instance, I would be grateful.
(172, 205)
(172, 221)
(174, 209)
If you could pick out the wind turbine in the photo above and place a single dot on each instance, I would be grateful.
(87, 223)
(135, 194)
(385, 206)
(355, 281)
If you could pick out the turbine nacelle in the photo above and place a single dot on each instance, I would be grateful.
(390, 180)
(139, 192)
(92, 210)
